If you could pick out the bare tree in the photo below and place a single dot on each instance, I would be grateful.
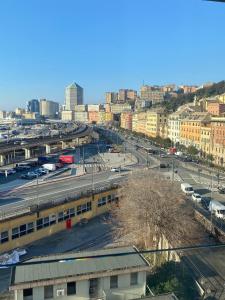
(152, 207)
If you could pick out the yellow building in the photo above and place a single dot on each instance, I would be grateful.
(108, 117)
(29, 115)
(156, 123)
(134, 122)
(24, 229)
(205, 140)
(102, 117)
(139, 122)
(190, 129)
(221, 98)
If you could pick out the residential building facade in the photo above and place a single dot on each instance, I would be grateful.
(216, 108)
(156, 121)
(126, 120)
(190, 129)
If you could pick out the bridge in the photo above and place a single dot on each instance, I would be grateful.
(11, 153)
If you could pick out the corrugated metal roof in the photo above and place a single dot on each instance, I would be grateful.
(77, 265)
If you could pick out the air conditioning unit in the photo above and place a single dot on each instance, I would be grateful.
(60, 292)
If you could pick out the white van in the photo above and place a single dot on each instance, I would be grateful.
(187, 188)
(217, 209)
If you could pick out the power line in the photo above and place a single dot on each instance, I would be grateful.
(148, 251)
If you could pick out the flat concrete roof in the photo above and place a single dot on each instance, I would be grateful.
(75, 264)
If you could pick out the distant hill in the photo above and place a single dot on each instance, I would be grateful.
(213, 90)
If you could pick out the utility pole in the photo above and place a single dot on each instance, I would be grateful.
(92, 177)
(173, 170)
(83, 158)
(37, 190)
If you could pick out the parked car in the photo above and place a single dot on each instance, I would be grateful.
(29, 175)
(205, 203)
(115, 170)
(196, 197)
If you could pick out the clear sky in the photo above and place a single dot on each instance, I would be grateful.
(105, 45)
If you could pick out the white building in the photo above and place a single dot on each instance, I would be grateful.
(73, 96)
(82, 276)
(174, 123)
(67, 115)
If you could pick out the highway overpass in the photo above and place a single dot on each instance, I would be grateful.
(11, 153)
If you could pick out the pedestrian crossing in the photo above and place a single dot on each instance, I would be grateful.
(96, 167)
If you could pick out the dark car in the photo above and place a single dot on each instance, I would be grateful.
(205, 203)
(163, 166)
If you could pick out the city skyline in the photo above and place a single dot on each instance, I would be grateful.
(106, 55)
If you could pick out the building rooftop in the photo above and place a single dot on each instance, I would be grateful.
(73, 85)
(70, 265)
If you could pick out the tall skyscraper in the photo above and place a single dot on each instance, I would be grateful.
(33, 106)
(73, 95)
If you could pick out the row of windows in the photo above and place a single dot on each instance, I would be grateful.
(102, 201)
(71, 287)
(49, 292)
(28, 228)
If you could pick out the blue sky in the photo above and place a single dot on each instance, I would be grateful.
(105, 45)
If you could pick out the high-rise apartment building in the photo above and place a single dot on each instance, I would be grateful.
(73, 96)
(33, 106)
(49, 109)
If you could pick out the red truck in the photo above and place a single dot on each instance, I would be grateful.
(66, 159)
(172, 150)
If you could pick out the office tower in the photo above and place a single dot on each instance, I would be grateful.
(33, 106)
(48, 108)
(73, 96)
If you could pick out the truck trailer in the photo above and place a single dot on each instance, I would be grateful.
(217, 208)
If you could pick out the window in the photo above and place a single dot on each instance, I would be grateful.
(134, 278)
(60, 216)
(46, 222)
(48, 292)
(52, 219)
(71, 288)
(23, 229)
(72, 212)
(15, 233)
(113, 282)
(101, 201)
(4, 237)
(39, 223)
(83, 208)
(27, 294)
(109, 198)
(30, 227)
